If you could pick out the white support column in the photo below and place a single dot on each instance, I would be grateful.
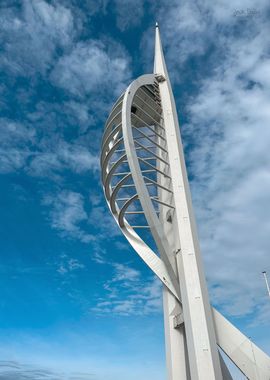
(176, 353)
(199, 329)
(176, 350)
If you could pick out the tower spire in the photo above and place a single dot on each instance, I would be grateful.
(159, 60)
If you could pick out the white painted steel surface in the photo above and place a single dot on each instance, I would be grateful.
(201, 341)
(146, 188)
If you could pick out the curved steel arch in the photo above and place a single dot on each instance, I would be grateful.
(112, 139)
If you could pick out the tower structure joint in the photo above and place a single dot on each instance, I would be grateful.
(178, 320)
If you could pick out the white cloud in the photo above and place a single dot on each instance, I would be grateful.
(127, 293)
(101, 216)
(38, 146)
(99, 255)
(68, 265)
(224, 11)
(93, 67)
(61, 269)
(67, 215)
(16, 142)
(78, 158)
(232, 172)
(13, 131)
(123, 272)
(13, 370)
(32, 35)
(64, 156)
(44, 165)
(129, 13)
(97, 5)
(74, 264)
(194, 29)
(82, 113)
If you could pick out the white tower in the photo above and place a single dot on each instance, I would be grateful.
(147, 190)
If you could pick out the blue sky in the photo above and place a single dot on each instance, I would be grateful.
(76, 302)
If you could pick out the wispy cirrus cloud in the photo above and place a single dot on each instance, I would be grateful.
(67, 215)
(16, 143)
(128, 293)
(12, 370)
(68, 265)
(125, 273)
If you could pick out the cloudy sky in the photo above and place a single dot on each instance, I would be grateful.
(76, 302)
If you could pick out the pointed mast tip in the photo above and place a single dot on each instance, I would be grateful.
(156, 24)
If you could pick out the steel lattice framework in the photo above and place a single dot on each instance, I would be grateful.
(147, 190)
